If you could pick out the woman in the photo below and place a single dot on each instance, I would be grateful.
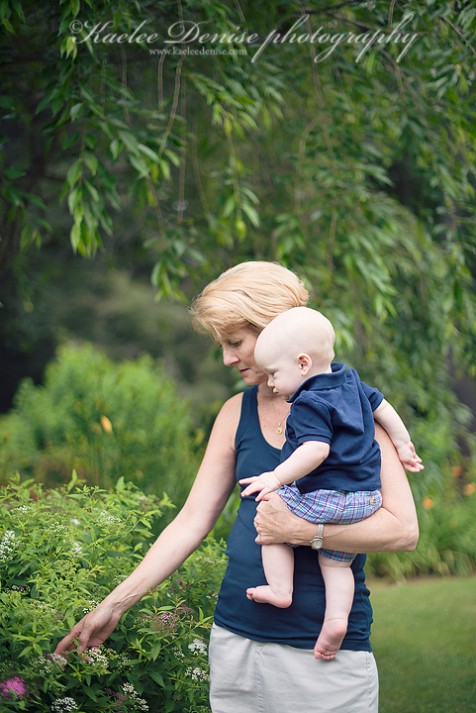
(260, 656)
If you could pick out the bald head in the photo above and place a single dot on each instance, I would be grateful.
(300, 330)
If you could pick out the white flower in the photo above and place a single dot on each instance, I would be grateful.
(50, 663)
(196, 674)
(123, 660)
(8, 537)
(106, 518)
(64, 705)
(96, 656)
(92, 605)
(58, 660)
(8, 544)
(59, 529)
(198, 646)
(75, 521)
(130, 691)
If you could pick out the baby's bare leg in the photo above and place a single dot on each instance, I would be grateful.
(339, 581)
(278, 564)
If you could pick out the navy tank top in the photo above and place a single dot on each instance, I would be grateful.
(300, 624)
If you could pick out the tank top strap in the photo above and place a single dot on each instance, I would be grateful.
(249, 408)
(249, 420)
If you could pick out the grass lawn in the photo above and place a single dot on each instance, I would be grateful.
(424, 640)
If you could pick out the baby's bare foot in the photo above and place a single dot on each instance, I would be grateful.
(265, 595)
(330, 639)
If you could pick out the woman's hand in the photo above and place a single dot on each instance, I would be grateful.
(91, 631)
(276, 524)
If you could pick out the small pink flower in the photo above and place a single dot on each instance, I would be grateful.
(15, 685)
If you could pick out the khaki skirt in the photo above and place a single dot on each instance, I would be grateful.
(251, 677)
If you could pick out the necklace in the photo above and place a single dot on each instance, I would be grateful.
(280, 427)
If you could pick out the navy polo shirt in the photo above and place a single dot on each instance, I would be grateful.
(336, 408)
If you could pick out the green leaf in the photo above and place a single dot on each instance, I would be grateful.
(147, 152)
(115, 148)
(8, 26)
(129, 141)
(74, 173)
(165, 168)
(76, 110)
(75, 236)
(252, 214)
(88, 691)
(140, 166)
(91, 162)
(173, 157)
(92, 190)
(230, 206)
(157, 677)
(13, 173)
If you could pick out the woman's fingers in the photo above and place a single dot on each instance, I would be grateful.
(271, 517)
(90, 632)
(70, 641)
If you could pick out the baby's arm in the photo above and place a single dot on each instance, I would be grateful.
(302, 461)
(389, 419)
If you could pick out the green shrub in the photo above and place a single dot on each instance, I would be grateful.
(447, 544)
(105, 420)
(63, 550)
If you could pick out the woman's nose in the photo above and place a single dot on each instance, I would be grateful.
(229, 357)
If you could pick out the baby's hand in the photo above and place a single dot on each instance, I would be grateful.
(409, 458)
(262, 484)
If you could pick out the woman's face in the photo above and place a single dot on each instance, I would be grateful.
(238, 351)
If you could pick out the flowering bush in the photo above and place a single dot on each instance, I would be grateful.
(62, 551)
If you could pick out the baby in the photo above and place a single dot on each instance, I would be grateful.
(331, 453)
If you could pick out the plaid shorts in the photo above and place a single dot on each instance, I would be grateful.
(332, 506)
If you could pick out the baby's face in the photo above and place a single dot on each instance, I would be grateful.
(284, 370)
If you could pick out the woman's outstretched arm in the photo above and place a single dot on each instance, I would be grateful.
(212, 487)
(394, 527)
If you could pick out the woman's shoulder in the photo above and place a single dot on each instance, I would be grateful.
(232, 404)
(229, 414)
(244, 399)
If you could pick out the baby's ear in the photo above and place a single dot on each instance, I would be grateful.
(305, 363)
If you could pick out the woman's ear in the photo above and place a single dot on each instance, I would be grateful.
(305, 363)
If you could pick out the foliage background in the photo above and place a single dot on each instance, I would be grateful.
(356, 171)
(106, 420)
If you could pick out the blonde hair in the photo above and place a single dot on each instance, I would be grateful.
(250, 294)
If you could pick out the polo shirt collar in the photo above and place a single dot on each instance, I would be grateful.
(322, 381)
